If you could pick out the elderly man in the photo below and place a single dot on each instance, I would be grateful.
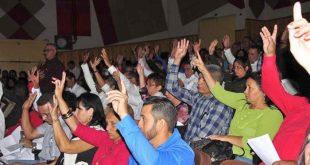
(155, 141)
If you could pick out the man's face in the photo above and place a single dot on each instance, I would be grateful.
(69, 82)
(253, 55)
(45, 113)
(152, 88)
(188, 70)
(147, 124)
(49, 52)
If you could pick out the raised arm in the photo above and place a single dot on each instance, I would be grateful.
(172, 84)
(231, 99)
(227, 50)
(299, 36)
(88, 77)
(98, 76)
(140, 71)
(271, 83)
(29, 130)
(34, 78)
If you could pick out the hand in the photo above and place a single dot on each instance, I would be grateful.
(54, 111)
(199, 63)
(180, 51)
(212, 46)
(95, 63)
(25, 142)
(119, 101)
(269, 41)
(218, 137)
(116, 76)
(41, 74)
(284, 162)
(226, 42)
(140, 70)
(85, 58)
(59, 85)
(34, 77)
(28, 103)
(105, 57)
(299, 36)
(197, 45)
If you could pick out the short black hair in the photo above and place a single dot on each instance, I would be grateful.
(70, 75)
(162, 108)
(158, 79)
(45, 98)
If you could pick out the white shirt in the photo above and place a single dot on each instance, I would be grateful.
(92, 86)
(76, 89)
(134, 97)
(2, 119)
(190, 83)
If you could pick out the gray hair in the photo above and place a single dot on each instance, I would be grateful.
(216, 72)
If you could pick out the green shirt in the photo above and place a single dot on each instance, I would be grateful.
(248, 123)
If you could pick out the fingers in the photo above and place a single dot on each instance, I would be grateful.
(275, 31)
(63, 79)
(297, 11)
(305, 30)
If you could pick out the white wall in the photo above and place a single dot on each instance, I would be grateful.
(47, 15)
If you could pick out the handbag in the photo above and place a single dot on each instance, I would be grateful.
(218, 151)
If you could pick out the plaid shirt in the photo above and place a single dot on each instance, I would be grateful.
(208, 116)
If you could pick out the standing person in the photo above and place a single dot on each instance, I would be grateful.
(52, 67)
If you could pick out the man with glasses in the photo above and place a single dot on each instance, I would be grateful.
(52, 67)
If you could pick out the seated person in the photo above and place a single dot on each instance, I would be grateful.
(155, 140)
(50, 152)
(111, 149)
(252, 118)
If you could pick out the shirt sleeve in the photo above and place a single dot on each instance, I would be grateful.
(229, 56)
(89, 79)
(38, 92)
(172, 86)
(42, 128)
(272, 87)
(232, 99)
(93, 136)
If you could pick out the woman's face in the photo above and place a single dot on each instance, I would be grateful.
(253, 93)
(239, 70)
(111, 121)
(83, 115)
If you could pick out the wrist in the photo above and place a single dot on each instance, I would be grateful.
(177, 61)
(122, 115)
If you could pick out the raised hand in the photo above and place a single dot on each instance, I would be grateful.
(226, 42)
(212, 46)
(140, 70)
(119, 59)
(85, 58)
(34, 77)
(95, 63)
(199, 63)
(299, 36)
(54, 110)
(119, 101)
(180, 51)
(28, 103)
(105, 57)
(59, 85)
(269, 40)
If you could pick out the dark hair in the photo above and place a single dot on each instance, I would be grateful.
(45, 98)
(70, 99)
(162, 108)
(109, 109)
(70, 75)
(244, 62)
(255, 47)
(89, 100)
(133, 74)
(157, 78)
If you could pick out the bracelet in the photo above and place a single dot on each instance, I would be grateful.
(67, 115)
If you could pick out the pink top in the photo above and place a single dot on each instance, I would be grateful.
(291, 135)
(108, 152)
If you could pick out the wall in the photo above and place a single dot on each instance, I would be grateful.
(47, 15)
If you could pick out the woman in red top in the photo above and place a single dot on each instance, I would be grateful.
(111, 147)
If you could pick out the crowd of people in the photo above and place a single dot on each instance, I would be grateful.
(163, 108)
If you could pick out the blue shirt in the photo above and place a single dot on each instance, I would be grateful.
(174, 151)
(208, 116)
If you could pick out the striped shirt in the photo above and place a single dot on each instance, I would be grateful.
(208, 116)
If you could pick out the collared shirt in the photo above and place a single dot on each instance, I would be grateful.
(174, 151)
(189, 83)
(77, 90)
(134, 97)
(208, 116)
(49, 147)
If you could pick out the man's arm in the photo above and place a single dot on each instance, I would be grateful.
(29, 130)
